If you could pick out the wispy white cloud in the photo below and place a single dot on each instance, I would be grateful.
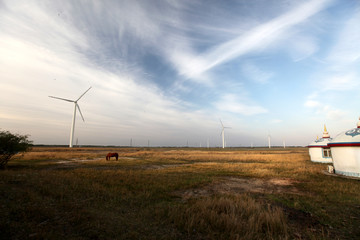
(41, 55)
(347, 81)
(301, 46)
(138, 56)
(329, 82)
(255, 74)
(231, 103)
(253, 40)
(340, 73)
(323, 108)
(346, 49)
(276, 121)
(312, 103)
(21, 23)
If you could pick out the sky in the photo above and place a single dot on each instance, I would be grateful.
(164, 72)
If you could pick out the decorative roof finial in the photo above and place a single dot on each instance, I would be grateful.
(325, 134)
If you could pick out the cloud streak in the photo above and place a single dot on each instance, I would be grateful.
(347, 50)
(45, 56)
(233, 104)
(340, 75)
(251, 41)
(255, 74)
(167, 70)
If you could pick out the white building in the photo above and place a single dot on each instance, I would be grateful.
(345, 149)
(319, 150)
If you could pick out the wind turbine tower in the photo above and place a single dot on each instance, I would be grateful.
(76, 106)
(269, 140)
(223, 133)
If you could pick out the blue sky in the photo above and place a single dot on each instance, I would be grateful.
(166, 71)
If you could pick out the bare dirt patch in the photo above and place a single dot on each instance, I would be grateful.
(162, 166)
(78, 160)
(232, 185)
(152, 166)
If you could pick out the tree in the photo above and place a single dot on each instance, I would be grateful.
(11, 144)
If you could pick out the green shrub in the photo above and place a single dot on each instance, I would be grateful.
(11, 144)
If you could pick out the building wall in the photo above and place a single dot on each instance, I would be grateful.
(346, 160)
(317, 155)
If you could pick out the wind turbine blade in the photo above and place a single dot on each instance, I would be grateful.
(78, 107)
(64, 99)
(83, 94)
(221, 123)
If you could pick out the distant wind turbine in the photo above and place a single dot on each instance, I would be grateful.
(269, 140)
(74, 115)
(223, 133)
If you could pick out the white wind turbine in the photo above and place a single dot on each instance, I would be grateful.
(74, 115)
(269, 139)
(223, 133)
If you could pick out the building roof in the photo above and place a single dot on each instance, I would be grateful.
(322, 142)
(347, 138)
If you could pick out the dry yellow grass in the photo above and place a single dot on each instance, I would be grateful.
(162, 193)
(232, 217)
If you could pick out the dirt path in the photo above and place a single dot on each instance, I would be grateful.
(233, 185)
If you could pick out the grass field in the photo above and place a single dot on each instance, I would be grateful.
(172, 193)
